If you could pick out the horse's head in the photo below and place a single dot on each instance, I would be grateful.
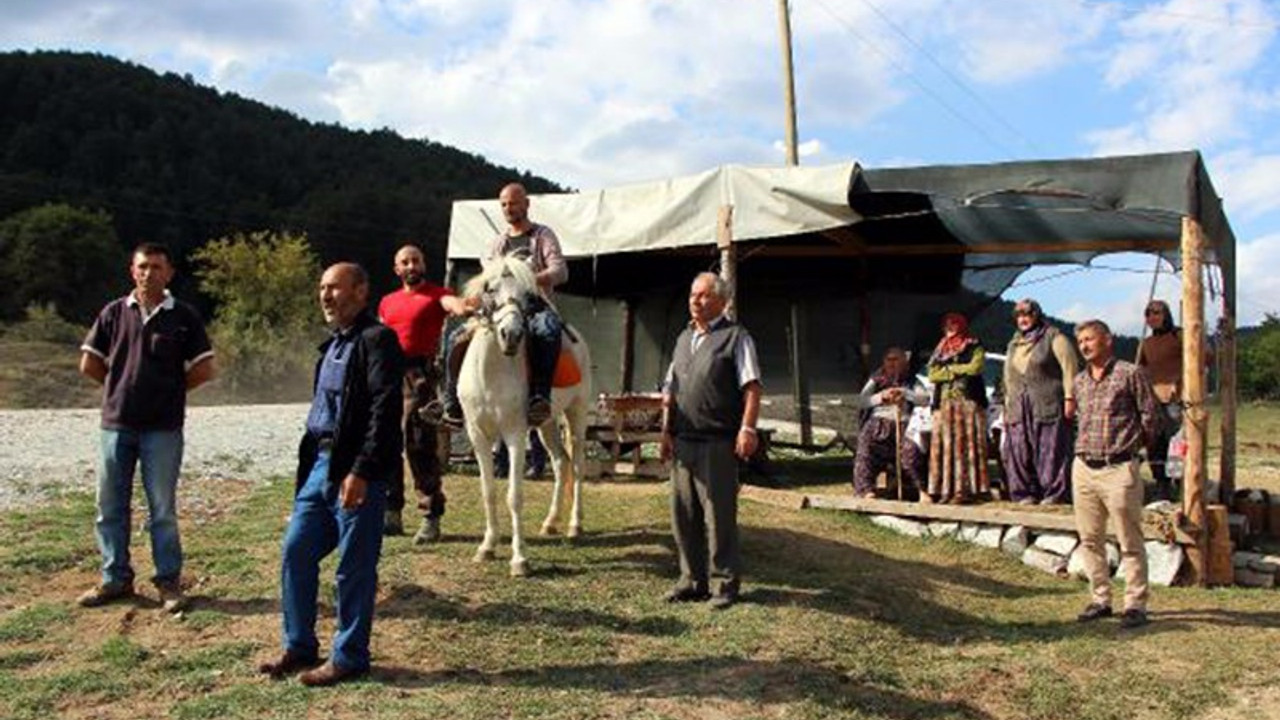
(506, 287)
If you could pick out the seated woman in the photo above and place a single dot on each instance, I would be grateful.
(883, 446)
(958, 449)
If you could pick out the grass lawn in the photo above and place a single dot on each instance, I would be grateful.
(840, 619)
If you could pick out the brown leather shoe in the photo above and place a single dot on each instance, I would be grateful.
(288, 663)
(328, 674)
(104, 593)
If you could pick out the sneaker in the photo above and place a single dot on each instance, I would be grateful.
(392, 524)
(428, 532)
(104, 593)
(452, 417)
(1095, 611)
(1133, 618)
(539, 411)
(171, 597)
(720, 602)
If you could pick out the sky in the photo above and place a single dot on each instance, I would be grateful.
(595, 93)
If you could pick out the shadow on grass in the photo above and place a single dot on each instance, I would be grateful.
(418, 603)
(759, 682)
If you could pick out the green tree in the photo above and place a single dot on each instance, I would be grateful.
(267, 321)
(1258, 361)
(60, 255)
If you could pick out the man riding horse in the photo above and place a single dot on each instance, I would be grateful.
(538, 246)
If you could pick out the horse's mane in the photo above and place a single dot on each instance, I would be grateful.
(519, 271)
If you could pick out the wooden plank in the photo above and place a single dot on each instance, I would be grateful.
(982, 514)
(1227, 392)
(622, 468)
(610, 435)
(778, 498)
(728, 258)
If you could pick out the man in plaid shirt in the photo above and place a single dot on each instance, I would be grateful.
(1116, 419)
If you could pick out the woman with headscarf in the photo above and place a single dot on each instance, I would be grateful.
(1038, 409)
(958, 448)
(883, 445)
(1161, 355)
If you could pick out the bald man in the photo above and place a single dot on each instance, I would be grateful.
(417, 313)
(352, 445)
(538, 246)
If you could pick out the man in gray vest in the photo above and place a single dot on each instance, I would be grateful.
(710, 406)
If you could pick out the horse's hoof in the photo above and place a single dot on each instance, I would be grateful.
(483, 555)
(575, 531)
(519, 568)
(549, 530)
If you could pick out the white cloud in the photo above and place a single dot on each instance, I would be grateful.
(1249, 183)
(1258, 285)
(1009, 42)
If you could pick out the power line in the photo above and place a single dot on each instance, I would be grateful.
(955, 80)
(1151, 10)
(915, 80)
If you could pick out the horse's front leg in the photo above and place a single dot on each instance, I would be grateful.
(576, 420)
(515, 500)
(484, 458)
(551, 439)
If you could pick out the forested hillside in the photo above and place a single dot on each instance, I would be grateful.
(169, 160)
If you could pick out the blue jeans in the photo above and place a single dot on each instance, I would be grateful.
(545, 327)
(160, 454)
(318, 525)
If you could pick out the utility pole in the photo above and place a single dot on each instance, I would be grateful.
(789, 81)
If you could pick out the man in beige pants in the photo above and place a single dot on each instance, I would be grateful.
(1116, 416)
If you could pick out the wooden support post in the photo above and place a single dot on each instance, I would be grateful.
(628, 345)
(799, 378)
(1227, 377)
(789, 82)
(728, 258)
(1194, 417)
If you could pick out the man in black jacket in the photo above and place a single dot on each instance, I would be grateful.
(352, 444)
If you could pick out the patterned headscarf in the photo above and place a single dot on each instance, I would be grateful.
(953, 345)
(1032, 334)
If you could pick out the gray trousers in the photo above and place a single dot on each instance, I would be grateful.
(704, 515)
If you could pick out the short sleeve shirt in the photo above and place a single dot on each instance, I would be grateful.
(417, 317)
(147, 359)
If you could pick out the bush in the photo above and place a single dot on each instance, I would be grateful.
(1258, 361)
(44, 324)
(267, 323)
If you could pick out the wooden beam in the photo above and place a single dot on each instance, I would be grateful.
(628, 345)
(1227, 392)
(1011, 248)
(980, 514)
(728, 258)
(777, 498)
(1194, 416)
(845, 237)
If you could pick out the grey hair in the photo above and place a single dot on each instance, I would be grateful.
(718, 284)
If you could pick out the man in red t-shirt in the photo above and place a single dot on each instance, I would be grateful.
(417, 312)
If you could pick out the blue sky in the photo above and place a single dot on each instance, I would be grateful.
(594, 93)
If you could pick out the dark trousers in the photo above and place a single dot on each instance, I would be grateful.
(545, 329)
(421, 445)
(704, 516)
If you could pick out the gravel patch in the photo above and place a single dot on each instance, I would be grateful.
(46, 452)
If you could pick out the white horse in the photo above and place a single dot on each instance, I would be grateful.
(493, 387)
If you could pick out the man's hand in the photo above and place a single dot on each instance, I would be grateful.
(745, 446)
(351, 495)
(893, 396)
(1069, 408)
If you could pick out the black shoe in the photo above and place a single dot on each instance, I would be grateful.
(685, 594)
(539, 411)
(1095, 611)
(1133, 618)
(288, 663)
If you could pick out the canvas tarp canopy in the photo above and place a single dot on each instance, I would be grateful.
(997, 215)
(873, 257)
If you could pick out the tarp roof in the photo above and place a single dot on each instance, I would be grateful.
(996, 215)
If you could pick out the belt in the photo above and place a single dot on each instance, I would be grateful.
(1099, 463)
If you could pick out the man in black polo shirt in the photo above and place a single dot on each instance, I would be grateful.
(147, 349)
(710, 406)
